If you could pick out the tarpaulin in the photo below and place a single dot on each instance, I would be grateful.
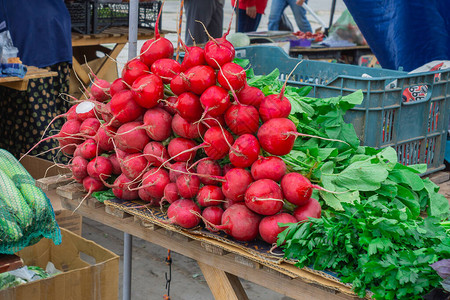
(404, 33)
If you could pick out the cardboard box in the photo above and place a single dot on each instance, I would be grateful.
(80, 280)
(40, 168)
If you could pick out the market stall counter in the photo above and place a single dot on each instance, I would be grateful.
(222, 263)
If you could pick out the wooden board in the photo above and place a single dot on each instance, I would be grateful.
(21, 84)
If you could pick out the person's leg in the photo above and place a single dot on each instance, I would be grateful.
(242, 20)
(197, 10)
(215, 24)
(252, 24)
(300, 16)
(276, 10)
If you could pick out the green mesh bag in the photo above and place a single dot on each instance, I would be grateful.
(26, 214)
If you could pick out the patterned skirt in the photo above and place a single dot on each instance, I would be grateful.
(26, 114)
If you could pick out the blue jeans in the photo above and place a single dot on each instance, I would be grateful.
(277, 9)
(247, 24)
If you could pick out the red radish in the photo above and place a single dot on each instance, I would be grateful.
(186, 129)
(88, 149)
(188, 185)
(240, 222)
(184, 212)
(92, 185)
(158, 124)
(148, 90)
(123, 188)
(193, 56)
(228, 203)
(250, 95)
(197, 79)
(169, 104)
(227, 168)
(115, 164)
(117, 86)
(134, 165)
(212, 215)
(100, 168)
(154, 181)
(189, 107)
(171, 192)
(155, 153)
(210, 195)
(181, 149)
(79, 168)
(274, 106)
(144, 196)
(71, 114)
(68, 133)
(158, 47)
(244, 151)
(277, 136)
(131, 138)
(269, 227)
(104, 137)
(242, 119)
(166, 68)
(208, 167)
(133, 70)
(210, 121)
(178, 166)
(270, 167)
(90, 126)
(232, 76)
(124, 108)
(85, 109)
(217, 142)
(100, 90)
(215, 100)
(219, 52)
(311, 209)
(297, 189)
(177, 85)
(108, 117)
(264, 197)
(236, 183)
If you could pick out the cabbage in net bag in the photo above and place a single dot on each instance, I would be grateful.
(26, 214)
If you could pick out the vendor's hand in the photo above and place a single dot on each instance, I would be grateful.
(251, 11)
(300, 2)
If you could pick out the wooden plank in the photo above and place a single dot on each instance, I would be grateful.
(246, 262)
(440, 177)
(117, 212)
(224, 286)
(82, 74)
(213, 249)
(71, 191)
(21, 84)
(109, 64)
(51, 183)
(146, 224)
(295, 288)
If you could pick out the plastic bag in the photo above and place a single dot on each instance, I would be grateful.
(345, 29)
(6, 44)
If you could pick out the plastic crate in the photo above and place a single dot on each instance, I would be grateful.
(107, 15)
(79, 12)
(94, 17)
(416, 129)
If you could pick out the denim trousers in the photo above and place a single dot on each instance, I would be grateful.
(277, 9)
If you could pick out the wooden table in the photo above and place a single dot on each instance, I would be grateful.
(21, 84)
(222, 265)
(86, 46)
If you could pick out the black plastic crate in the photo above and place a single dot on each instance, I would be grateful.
(94, 16)
(79, 12)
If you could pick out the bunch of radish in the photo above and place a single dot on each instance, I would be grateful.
(192, 135)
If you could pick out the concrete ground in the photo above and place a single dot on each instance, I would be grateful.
(149, 267)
